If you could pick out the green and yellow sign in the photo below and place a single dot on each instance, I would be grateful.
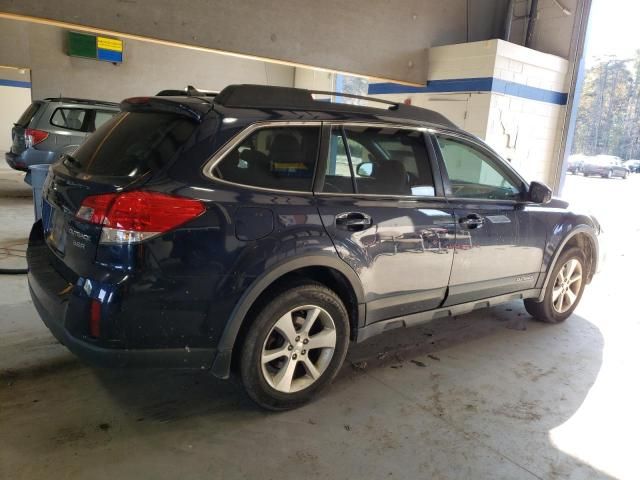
(96, 47)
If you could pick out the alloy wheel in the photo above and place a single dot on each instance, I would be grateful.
(298, 349)
(566, 286)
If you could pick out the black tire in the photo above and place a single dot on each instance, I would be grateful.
(544, 311)
(253, 378)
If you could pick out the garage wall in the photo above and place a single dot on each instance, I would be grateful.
(510, 96)
(554, 25)
(525, 126)
(15, 97)
(147, 69)
(378, 38)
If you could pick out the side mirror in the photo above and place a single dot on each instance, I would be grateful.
(365, 169)
(539, 193)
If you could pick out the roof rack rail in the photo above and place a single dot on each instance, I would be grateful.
(288, 98)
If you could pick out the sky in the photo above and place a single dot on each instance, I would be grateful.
(613, 29)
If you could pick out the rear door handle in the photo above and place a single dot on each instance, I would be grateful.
(353, 221)
(472, 221)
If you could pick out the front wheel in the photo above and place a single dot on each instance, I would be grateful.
(564, 290)
(295, 347)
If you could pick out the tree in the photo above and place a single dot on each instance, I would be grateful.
(608, 107)
(632, 132)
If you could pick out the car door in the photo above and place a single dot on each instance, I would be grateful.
(383, 208)
(498, 246)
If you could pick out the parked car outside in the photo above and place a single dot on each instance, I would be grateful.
(575, 163)
(261, 231)
(633, 165)
(606, 166)
(53, 126)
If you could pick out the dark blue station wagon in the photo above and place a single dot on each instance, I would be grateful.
(261, 230)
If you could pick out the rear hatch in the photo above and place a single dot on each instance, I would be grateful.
(121, 156)
(18, 140)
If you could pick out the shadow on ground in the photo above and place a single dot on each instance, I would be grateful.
(490, 384)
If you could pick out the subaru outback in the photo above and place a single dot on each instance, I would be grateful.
(261, 231)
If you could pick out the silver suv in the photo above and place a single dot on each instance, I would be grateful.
(53, 126)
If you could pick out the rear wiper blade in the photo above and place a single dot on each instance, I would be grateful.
(71, 160)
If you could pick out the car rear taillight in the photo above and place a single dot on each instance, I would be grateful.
(131, 217)
(33, 137)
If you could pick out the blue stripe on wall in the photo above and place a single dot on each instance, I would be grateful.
(482, 84)
(14, 83)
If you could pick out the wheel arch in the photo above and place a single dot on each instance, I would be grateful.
(329, 270)
(583, 237)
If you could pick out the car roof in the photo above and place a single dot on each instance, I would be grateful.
(263, 102)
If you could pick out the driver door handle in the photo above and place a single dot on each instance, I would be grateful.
(472, 221)
(353, 221)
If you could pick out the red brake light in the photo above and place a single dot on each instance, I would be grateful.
(151, 212)
(34, 137)
(134, 216)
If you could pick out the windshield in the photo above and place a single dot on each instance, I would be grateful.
(131, 144)
(28, 114)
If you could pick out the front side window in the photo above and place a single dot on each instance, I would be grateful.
(473, 174)
(384, 161)
(69, 118)
(280, 158)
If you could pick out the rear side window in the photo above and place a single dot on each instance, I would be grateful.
(28, 114)
(383, 161)
(132, 144)
(69, 118)
(101, 118)
(281, 158)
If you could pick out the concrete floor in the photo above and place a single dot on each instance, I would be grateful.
(486, 395)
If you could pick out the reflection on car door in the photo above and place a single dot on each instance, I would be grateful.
(377, 199)
(496, 250)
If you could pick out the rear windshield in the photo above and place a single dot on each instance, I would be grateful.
(131, 144)
(28, 114)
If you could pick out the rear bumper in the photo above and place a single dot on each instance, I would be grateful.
(60, 304)
(29, 157)
(113, 358)
(15, 161)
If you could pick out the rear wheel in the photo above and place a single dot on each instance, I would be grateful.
(295, 347)
(564, 290)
